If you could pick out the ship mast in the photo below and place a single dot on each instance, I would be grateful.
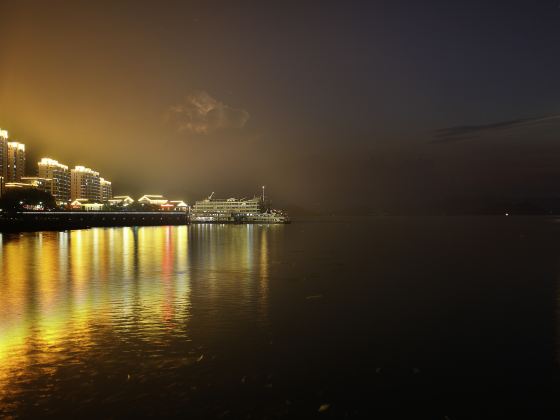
(263, 200)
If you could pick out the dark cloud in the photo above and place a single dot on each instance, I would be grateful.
(200, 113)
(452, 134)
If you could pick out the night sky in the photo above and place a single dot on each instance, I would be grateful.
(362, 107)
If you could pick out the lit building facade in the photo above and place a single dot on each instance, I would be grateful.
(3, 159)
(60, 176)
(84, 204)
(179, 205)
(85, 183)
(12, 185)
(153, 199)
(121, 200)
(16, 161)
(43, 184)
(106, 190)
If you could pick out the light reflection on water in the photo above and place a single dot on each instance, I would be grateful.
(93, 300)
(275, 321)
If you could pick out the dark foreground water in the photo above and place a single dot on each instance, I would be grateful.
(442, 317)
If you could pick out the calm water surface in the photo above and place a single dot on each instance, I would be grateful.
(446, 315)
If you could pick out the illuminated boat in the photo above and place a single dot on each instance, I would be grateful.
(269, 216)
(235, 210)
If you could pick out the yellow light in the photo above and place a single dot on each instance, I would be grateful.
(16, 145)
(52, 162)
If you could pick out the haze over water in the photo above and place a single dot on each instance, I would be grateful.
(280, 320)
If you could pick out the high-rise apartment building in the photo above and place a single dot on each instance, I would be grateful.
(16, 161)
(85, 184)
(3, 159)
(106, 190)
(60, 176)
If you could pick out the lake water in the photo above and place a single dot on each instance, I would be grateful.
(444, 316)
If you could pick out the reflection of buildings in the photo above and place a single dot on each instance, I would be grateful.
(55, 285)
(83, 290)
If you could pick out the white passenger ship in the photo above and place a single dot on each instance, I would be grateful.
(269, 216)
(235, 210)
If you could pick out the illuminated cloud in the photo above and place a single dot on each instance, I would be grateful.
(200, 113)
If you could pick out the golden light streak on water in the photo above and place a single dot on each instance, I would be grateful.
(66, 297)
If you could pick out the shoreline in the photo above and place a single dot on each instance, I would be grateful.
(68, 220)
(60, 220)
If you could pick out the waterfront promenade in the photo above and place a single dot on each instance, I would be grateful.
(63, 220)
